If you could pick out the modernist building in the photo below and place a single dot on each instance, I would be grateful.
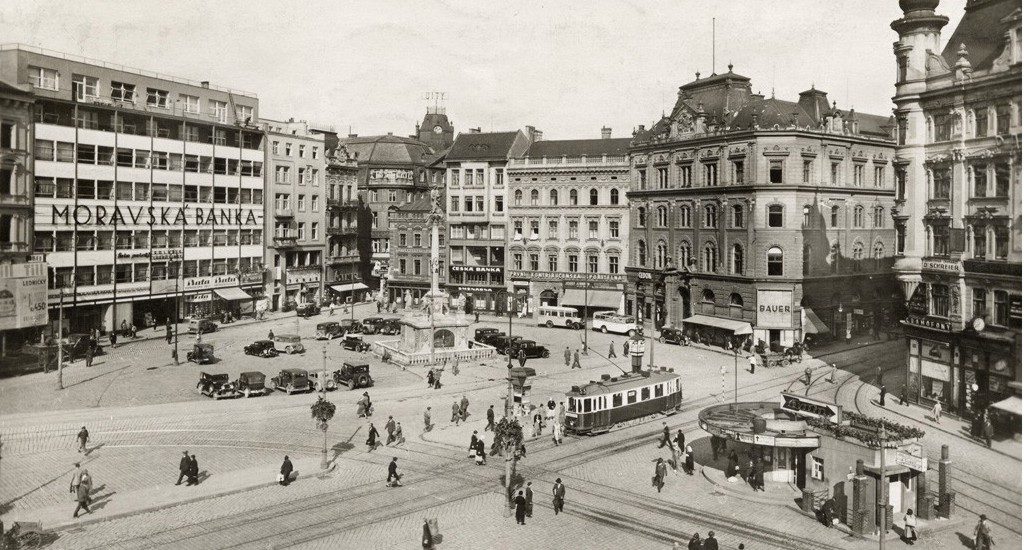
(758, 215)
(410, 248)
(569, 240)
(343, 211)
(393, 170)
(476, 191)
(138, 178)
(296, 212)
(959, 206)
(22, 274)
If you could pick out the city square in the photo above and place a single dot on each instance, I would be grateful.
(753, 322)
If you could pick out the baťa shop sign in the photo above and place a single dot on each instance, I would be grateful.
(805, 406)
(153, 215)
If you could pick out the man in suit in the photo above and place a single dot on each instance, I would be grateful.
(558, 491)
(193, 471)
(286, 471)
(520, 502)
(183, 466)
(393, 471)
(529, 499)
(490, 419)
(666, 436)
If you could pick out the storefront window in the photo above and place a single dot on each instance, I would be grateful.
(940, 300)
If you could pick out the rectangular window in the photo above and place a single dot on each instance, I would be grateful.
(574, 229)
(645, 394)
(120, 91)
(613, 264)
(940, 239)
(499, 204)
(552, 229)
(1001, 308)
(86, 153)
(942, 179)
(808, 165)
(592, 229)
(979, 299)
(592, 263)
(835, 173)
(552, 262)
(574, 263)
(1002, 180)
(616, 400)
(662, 178)
(517, 261)
(686, 176)
(940, 300)
(499, 177)
(613, 228)
(943, 127)
(711, 175)
(191, 103)
(1002, 119)
(219, 110)
(817, 468)
(737, 171)
(980, 175)
(879, 176)
(1002, 242)
(44, 149)
(775, 171)
(85, 87)
(46, 79)
(630, 397)
(858, 175)
(156, 98)
(981, 122)
(535, 262)
(65, 152)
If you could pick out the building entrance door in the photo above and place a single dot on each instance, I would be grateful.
(896, 496)
(774, 338)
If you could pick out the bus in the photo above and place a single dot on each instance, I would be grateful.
(559, 316)
(609, 321)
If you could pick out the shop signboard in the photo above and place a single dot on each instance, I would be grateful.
(475, 269)
(806, 406)
(918, 302)
(912, 458)
(22, 302)
(167, 286)
(775, 309)
(178, 216)
(204, 283)
(935, 370)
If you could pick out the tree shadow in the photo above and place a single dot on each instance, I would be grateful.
(341, 448)
(966, 540)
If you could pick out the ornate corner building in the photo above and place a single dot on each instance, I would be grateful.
(754, 215)
(958, 204)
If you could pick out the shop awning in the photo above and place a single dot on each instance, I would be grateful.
(348, 287)
(232, 293)
(593, 298)
(1011, 404)
(736, 327)
(813, 323)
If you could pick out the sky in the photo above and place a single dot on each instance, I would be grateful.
(567, 67)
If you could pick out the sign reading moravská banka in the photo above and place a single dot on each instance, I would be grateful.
(154, 215)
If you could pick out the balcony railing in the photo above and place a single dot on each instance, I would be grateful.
(284, 213)
(344, 258)
(16, 247)
(286, 241)
(343, 230)
(342, 204)
(18, 199)
(566, 160)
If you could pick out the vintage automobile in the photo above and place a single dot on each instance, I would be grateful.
(354, 343)
(319, 381)
(251, 383)
(75, 346)
(291, 381)
(354, 376)
(288, 343)
(201, 326)
(350, 327)
(200, 354)
(307, 310)
(671, 335)
(328, 330)
(261, 348)
(371, 325)
(390, 326)
(490, 338)
(217, 386)
(503, 343)
(481, 333)
(533, 349)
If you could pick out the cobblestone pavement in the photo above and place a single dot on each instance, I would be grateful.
(137, 443)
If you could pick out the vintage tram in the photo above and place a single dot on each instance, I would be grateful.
(610, 402)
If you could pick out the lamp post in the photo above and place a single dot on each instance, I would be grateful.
(177, 305)
(323, 395)
(883, 486)
(586, 307)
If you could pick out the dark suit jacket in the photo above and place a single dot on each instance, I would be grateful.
(559, 491)
(194, 468)
(286, 468)
(185, 464)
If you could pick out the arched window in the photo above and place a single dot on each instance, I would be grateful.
(879, 216)
(534, 197)
(735, 300)
(775, 215)
(614, 196)
(775, 261)
(710, 216)
(553, 197)
(857, 251)
(684, 216)
(858, 216)
(662, 216)
(593, 197)
(710, 258)
(737, 216)
(684, 254)
(878, 250)
(641, 217)
(737, 259)
(834, 217)
(444, 338)
(707, 296)
(641, 253)
(574, 197)
(660, 254)
(807, 215)
(517, 198)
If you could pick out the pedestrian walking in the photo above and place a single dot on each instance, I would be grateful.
(711, 543)
(558, 492)
(183, 466)
(490, 419)
(427, 426)
(270, 335)
(828, 512)
(522, 357)
(481, 453)
(689, 461)
(430, 377)
(393, 473)
(399, 437)
(881, 395)
(909, 527)
(520, 503)
(456, 413)
(625, 348)
(753, 363)
(371, 437)
(285, 475)
(660, 471)
(476, 317)
(982, 534)
(759, 475)
(568, 356)
(576, 360)
(472, 444)
(807, 377)
(76, 478)
(82, 492)
(455, 366)
(832, 375)
(681, 441)
(437, 378)
(695, 543)
(389, 427)
(936, 409)
(666, 436)
(168, 332)
(83, 438)
(986, 429)
(88, 354)
(464, 408)
(193, 471)
(529, 499)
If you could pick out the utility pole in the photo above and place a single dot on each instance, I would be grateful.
(735, 375)
(883, 489)
(323, 394)
(177, 306)
(60, 342)
(586, 307)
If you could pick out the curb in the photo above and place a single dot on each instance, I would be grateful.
(128, 513)
(752, 496)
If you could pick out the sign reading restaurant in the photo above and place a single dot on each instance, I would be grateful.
(153, 215)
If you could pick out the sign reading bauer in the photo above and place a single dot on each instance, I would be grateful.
(775, 309)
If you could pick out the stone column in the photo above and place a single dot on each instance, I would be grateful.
(859, 505)
(947, 497)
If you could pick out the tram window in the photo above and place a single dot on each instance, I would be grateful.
(645, 394)
(586, 405)
(617, 400)
(631, 397)
(572, 404)
(659, 390)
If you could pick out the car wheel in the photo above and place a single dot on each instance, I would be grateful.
(604, 329)
(550, 324)
(288, 350)
(546, 354)
(362, 381)
(247, 392)
(661, 339)
(631, 333)
(289, 389)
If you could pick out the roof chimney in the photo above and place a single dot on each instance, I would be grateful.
(205, 84)
(606, 132)
(474, 130)
(353, 135)
(534, 134)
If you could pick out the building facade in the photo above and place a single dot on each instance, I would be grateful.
(296, 212)
(959, 206)
(410, 248)
(763, 217)
(436, 130)
(569, 237)
(343, 211)
(139, 178)
(476, 189)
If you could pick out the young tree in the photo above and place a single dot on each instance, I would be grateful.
(322, 412)
(508, 438)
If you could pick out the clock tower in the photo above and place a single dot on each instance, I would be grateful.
(436, 130)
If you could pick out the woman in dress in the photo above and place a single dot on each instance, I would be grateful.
(371, 439)
(909, 527)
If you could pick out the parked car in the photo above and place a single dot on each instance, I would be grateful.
(354, 375)
(328, 331)
(261, 348)
(76, 344)
(480, 333)
(288, 343)
(354, 343)
(371, 325)
(671, 335)
(490, 338)
(201, 326)
(291, 381)
(217, 386)
(200, 354)
(251, 383)
(503, 343)
(533, 349)
(351, 327)
(318, 380)
(307, 310)
(390, 326)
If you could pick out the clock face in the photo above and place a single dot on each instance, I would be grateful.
(438, 129)
(978, 324)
